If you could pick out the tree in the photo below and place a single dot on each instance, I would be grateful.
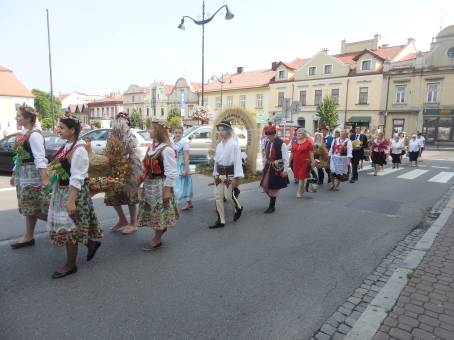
(96, 124)
(174, 112)
(327, 112)
(174, 122)
(43, 107)
(148, 122)
(136, 119)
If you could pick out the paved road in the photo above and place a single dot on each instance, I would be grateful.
(264, 277)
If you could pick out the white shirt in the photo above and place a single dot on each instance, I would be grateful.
(414, 145)
(79, 164)
(338, 141)
(397, 146)
(36, 141)
(228, 153)
(170, 163)
(421, 140)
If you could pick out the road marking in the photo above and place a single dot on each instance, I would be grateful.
(385, 172)
(442, 177)
(365, 168)
(7, 189)
(441, 167)
(413, 174)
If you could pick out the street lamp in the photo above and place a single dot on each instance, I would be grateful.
(214, 77)
(228, 16)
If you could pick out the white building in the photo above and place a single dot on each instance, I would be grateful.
(12, 94)
(73, 98)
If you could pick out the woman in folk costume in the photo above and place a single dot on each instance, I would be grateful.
(275, 175)
(183, 183)
(30, 174)
(321, 157)
(121, 150)
(379, 151)
(341, 155)
(302, 159)
(72, 218)
(157, 207)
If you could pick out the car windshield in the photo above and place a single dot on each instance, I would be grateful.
(145, 135)
(189, 130)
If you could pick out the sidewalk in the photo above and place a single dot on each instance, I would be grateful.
(425, 308)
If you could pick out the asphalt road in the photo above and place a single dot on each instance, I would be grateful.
(274, 276)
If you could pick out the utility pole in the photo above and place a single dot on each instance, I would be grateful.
(50, 74)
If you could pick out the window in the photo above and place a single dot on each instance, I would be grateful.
(280, 99)
(259, 101)
(451, 53)
(97, 135)
(398, 125)
(162, 111)
(312, 70)
(363, 94)
(107, 111)
(366, 65)
(328, 69)
(128, 110)
(335, 95)
(112, 110)
(433, 90)
(317, 97)
(303, 98)
(281, 74)
(230, 101)
(243, 102)
(218, 102)
(400, 94)
(133, 99)
(315, 123)
(148, 111)
(102, 114)
(202, 133)
(301, 122)
(140, 111)
(97, 112)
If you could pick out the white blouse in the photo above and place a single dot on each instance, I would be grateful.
(338, 141)
(229, 153)
(36, 141)
(79, 164)
(170, 163)
(397, 146)
(414, 145)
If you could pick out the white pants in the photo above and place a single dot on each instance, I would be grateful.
(225, 190)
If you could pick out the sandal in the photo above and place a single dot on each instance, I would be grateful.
(129, 230)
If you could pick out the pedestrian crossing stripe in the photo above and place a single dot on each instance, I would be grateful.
(385, 172)
(413, 174)
(442, 177)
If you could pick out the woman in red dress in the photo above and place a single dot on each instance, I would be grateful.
(302, 159)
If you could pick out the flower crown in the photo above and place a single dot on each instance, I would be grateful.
(69, 115)
(161, 123)
(25, 108)
(123, 115)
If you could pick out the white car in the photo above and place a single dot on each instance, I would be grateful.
(99, 140)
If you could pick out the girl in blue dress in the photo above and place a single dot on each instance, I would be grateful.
(183, 183)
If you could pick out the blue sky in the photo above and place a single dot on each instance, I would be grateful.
(101, 46)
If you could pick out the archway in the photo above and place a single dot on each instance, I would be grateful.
(242, 117)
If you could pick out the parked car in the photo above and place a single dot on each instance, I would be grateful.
(99, 138)
(199, 138)
(52, 143)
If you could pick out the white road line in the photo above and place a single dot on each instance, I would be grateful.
(442, 177)
(385, 172)
(413, 174)
(7, 189)
(365, 168)
(441, 167)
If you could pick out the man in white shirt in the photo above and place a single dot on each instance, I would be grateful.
(422, 143)
(227, 171)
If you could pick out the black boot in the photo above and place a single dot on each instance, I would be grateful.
(271, 209)
(238, 213)
(216, 225)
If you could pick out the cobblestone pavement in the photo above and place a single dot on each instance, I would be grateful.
(425, 308)
(343, 319)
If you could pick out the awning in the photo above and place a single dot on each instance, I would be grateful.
(359, 119)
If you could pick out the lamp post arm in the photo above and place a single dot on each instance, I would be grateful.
(205, 21)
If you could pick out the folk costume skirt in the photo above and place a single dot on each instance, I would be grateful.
(183, 186)
(80, 227)
(123, 197)
(339, 167)
(31, 198)
(396, 158)
(152, 212)
(378, 158)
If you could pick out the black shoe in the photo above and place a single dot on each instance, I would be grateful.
(237, 215)
(236, 192)
(19, 245)
(92, 253)
(218, 224)
(352, 181)
(269, 211)
(58, 275)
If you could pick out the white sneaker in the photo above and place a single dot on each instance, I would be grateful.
(299, 195)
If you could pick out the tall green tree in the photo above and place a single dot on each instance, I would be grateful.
(174, 112)
(136, 119)
(327, 113)
(43, 107)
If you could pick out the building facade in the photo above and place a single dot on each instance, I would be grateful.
(184, 96)
(134, 100)
(105, 108)
(74, 98)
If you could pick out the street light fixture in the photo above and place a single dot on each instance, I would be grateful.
(228, 16)
(214, 77)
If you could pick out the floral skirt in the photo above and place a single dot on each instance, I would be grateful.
(152, 212)
(31, 199)
(117, 198)
(80, 227)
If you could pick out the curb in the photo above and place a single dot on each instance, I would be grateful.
(369, 322)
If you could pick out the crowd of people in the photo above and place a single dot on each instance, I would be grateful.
(159, 187)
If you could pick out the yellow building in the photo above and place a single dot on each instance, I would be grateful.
(419, 91)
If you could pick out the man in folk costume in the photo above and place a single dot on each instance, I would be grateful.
(228, 170)
(275, 175)
(359, 143)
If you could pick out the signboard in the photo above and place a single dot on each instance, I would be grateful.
(260, 118)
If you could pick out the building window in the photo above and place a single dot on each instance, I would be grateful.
(316, 125)
(335, 95)
(259, 101)
(366, 65)
(281, 74)
(317, 97)
(128, 110)
(280, 99)
(133, 99)
(400, 94)
(433, 90)
(243, 102)
(451, 53)
(97, 112)
(218, 103)
(102, 114)
(112, 110)
(162, 112)
(312, 70)
(328, 69)
(363, 94)
(140, 111)
(398, 125)
(148, 111)
(107, 111)
(230, 101)
(303, 98)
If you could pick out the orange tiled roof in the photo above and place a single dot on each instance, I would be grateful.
(196, 86)
(168, 89)
(245, 79)
(11, 86)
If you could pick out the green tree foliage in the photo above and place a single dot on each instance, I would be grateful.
(174, 122)
(148, 122)
(95, 124)
(327, 112)
(43, 107)
(136, 119)
(174, 112)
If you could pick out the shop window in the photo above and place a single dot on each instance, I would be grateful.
(398, 125)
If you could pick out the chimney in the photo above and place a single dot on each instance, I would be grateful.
(239, 69)
(377, 38)
(410, 41)
(274, 65)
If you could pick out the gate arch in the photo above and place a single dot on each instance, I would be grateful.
(245, 118)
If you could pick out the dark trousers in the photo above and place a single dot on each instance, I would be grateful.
(355, 163)
(313, 179)
(321, 174)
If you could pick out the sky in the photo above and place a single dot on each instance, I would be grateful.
(103, 46)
